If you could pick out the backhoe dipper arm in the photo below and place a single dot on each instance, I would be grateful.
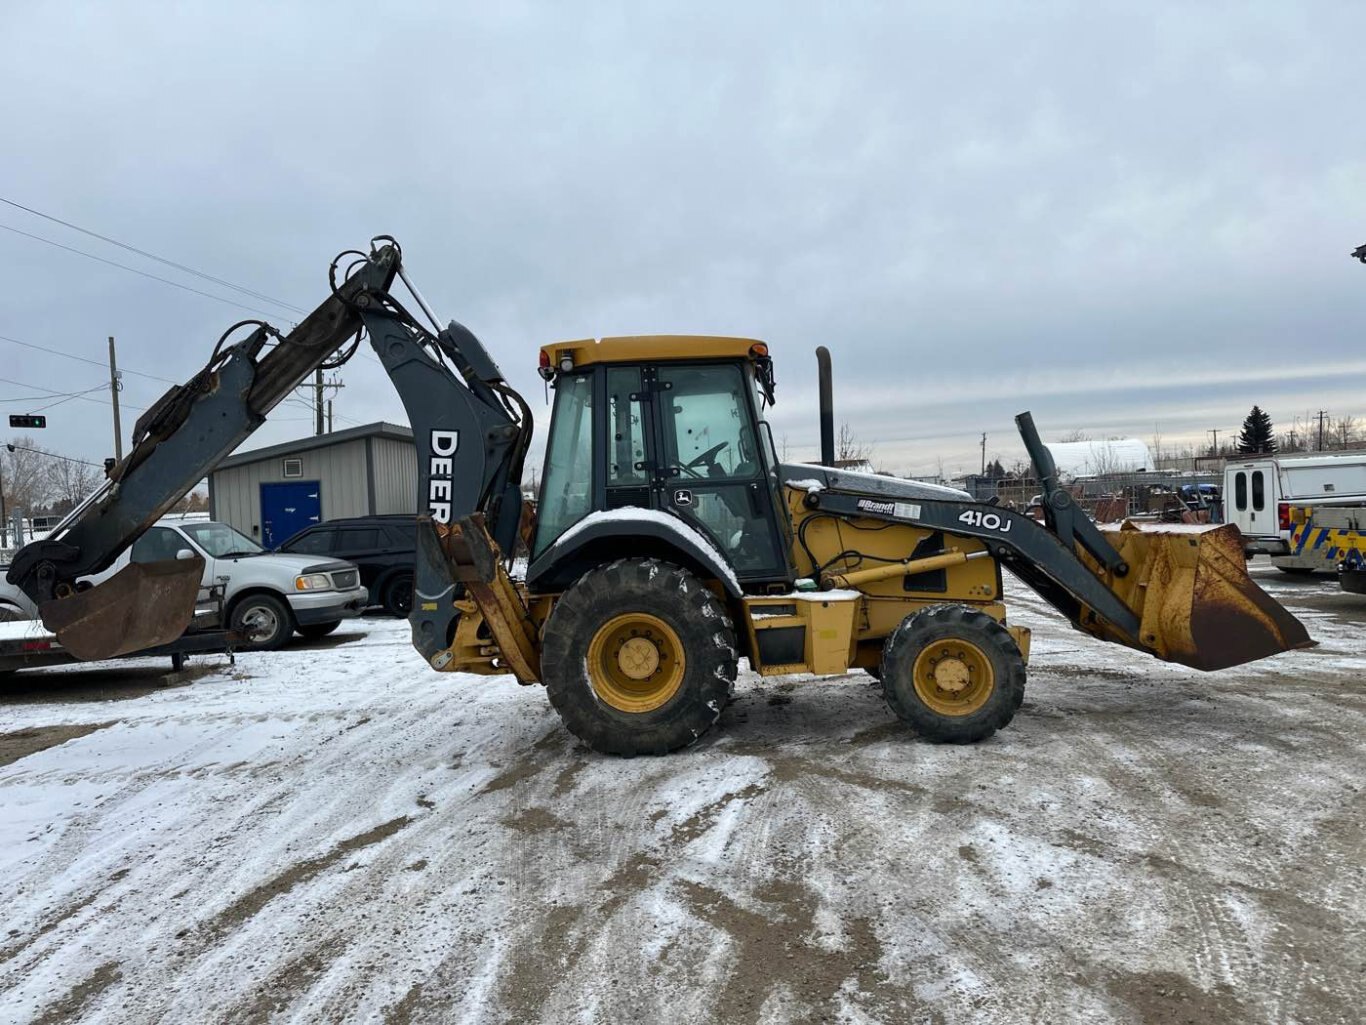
(470, 428)
(185, 434)
(472, 432)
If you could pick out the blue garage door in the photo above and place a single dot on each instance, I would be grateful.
(288, 508)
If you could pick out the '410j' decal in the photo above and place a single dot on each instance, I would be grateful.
(989, 521)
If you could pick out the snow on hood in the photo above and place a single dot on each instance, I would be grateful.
(871, 483)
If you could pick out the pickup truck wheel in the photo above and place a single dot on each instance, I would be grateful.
(263, 621)
(398, 596)
(954, 673)
(315, 630)
(639, 658)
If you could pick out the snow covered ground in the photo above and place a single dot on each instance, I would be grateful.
(333, 833)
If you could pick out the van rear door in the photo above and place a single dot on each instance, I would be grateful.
(1250, 495)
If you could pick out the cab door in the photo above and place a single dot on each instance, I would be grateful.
(710, 469)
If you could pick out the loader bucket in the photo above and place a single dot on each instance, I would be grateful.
(141, 606)
(1190, 587)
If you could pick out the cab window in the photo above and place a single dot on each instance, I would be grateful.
(625, 428)
(707, 432)
(567, 485)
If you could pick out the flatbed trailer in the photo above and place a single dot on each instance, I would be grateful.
(1332, 538)
(25, 644)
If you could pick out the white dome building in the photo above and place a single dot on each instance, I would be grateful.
(1113, 455)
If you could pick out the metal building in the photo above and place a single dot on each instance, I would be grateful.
(270, 493)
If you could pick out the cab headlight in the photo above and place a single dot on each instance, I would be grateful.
(312, 582)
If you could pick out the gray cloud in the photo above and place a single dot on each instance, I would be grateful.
(1121, 219)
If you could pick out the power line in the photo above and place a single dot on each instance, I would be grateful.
(68, 398)
(36, 398)
(84, 359)
(134, 270)
(57, 394)
(54, 455)
(152, 256)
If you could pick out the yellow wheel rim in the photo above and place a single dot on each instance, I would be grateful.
(953, 676)
(635, 662)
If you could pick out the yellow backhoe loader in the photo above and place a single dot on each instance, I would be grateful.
(669, 540)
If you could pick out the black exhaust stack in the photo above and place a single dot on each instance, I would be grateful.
(827, 406)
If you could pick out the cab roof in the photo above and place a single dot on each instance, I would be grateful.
(648, 348)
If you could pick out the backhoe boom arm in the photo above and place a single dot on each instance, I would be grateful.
(471, 431)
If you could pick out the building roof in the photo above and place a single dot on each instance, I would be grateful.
(649, 348)
(292, 448)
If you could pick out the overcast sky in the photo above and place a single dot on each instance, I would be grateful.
(1125, 218)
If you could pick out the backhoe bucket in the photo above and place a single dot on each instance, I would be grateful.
(141, 606)
(1197, 605)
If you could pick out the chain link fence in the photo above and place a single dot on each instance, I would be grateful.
(1112, 496)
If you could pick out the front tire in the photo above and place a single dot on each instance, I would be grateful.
(263, 621)
(954, 673)
(638, 658)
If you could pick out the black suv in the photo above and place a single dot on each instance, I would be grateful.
(382, 546)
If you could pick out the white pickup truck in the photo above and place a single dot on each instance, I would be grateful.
(266, 595)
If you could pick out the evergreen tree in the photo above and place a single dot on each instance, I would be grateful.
(1257, 434)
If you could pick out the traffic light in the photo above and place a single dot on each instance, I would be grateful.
(27, 420)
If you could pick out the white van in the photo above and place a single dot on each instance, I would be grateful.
(1259, 491)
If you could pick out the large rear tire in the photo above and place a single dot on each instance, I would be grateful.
(638, 658)
(954, 673)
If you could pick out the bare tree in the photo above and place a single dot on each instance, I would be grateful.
(25, 470)
(195, 501)
(1075, 435)
(1345, 427)
(69, 482)
(848, 447)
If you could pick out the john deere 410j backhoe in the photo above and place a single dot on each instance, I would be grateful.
(668, 540)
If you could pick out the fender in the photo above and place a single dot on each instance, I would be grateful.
(556, 567)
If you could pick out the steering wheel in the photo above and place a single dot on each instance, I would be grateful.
(708, 457)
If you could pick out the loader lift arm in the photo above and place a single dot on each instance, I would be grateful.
(470, 428)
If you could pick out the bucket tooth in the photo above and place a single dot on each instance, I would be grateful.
(142, 606)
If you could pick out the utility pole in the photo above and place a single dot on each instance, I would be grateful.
(4, 523)
(984, 453)
(1215, 432)
(329, 416)
(318, 399)
(1323, 413)
(114, 397)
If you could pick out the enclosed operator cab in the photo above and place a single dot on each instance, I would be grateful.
(667, 423)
